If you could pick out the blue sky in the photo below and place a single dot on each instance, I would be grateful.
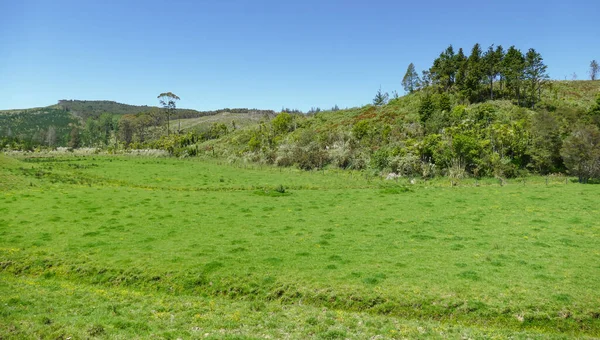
(265, 54)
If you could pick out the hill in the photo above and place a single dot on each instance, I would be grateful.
(427, 133)
(96, 123)
(233, 120)
(94, 108)
(434, 131)
(25, 128)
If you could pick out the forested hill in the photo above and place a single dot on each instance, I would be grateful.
(85, 109)
(79, 123)
(94, 108)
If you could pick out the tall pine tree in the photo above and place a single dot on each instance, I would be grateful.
(444, 69)
(411, 80)
(492, 60)
(513, 68)
(460, 61)
(535, 74)
(475, 74)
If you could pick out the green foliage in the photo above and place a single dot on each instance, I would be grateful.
(310, 157)
(282, 123)
(362, 129)
(411, 81)
(26, 129)
(490, 75)
(178, 144)
(594, 112)
(94, 108)
(426, 134)
(426, 107)
(381, 98)
(380, 159)
(535, 75)
(443, 71)
(545, 143)
(513, 68)
(168, 102)
(581, 153)
(216, 131)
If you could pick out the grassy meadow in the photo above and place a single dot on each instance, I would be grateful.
(134, 247)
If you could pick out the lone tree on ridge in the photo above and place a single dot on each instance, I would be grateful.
(167, 101)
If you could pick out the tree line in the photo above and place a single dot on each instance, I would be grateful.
(495, 73)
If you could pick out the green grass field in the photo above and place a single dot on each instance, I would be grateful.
(122, 247)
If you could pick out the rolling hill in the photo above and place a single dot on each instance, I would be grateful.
(52, 125)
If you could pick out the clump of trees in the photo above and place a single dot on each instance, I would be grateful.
(484, 75)
(581, 152)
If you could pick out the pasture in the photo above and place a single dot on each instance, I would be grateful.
(122, 247)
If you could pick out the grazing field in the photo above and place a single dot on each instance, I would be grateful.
(122, 247)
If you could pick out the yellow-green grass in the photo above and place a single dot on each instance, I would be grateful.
(36, 307)
(491, 260)
(10, 174)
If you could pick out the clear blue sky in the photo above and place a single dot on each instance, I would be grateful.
(265, 54)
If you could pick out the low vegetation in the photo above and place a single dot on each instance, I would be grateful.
(109, 246)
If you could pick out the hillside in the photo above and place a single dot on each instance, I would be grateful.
(24, 128)
(94, 108)
(431, 132)
(230, 119)
(97, 122)
(425, 134)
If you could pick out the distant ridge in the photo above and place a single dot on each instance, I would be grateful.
(94, 108)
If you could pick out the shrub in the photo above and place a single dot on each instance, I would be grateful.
(380, 160)
(310, 157)
(406, 165)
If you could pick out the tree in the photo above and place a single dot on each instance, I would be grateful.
(426, 107)
(500, 57)
(513, 67)
(282, 123)
(105, 125)
(594, 113)
(444, 69)
(461, 69)
(142, 122)
(581, 153)
(594, 70)
(75, 140)
(535, 74)
(475, 74)
(126, 128)
(51, 136)
(167, 101)
(492, 60)
(380, 98)
(411, 80)
(545, 144)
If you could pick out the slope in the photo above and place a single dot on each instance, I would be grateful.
(424, 134)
